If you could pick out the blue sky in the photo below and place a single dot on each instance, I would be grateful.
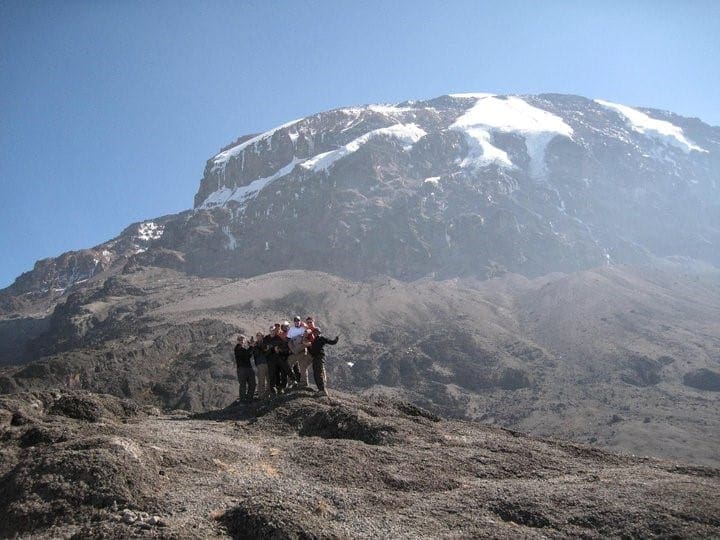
(109, 109)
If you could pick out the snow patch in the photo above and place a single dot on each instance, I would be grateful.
(149, 231)
(660, 130)
(381, 108)
(481, 151)
(231, 240)
(476, 95)
(508, 115)
(389, 109)
(432, 181)
(220, 160)
(406, 133)
(244, 193)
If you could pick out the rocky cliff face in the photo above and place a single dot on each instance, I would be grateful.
(53, 279)
(464, 185)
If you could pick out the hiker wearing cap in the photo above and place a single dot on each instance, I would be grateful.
(297, 330)
(260, 354)
(317, 353)
(298, 360)
(245, 373)
(295, 335)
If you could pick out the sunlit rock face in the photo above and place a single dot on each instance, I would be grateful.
(466, 184)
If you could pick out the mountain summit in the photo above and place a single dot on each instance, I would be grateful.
(465, 184)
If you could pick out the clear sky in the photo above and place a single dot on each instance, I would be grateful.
(109, 109)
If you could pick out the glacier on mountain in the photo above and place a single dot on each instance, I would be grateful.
(242, 193)
(508, 115)
(221, 159)
(406, 133)
(480, 119)
(660, 130)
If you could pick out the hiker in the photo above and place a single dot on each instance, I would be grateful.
(272, 359)
(296, 336)
(310, 325)
(298, 329)
(279, 346)
(245, 373)
(302, 361)
(317, 353)
(260, 354)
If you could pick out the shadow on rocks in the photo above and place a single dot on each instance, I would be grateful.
(246, 524)
(340, 417)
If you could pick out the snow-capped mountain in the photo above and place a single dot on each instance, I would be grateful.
(465, 184)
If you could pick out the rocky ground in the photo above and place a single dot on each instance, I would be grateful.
(78, 465)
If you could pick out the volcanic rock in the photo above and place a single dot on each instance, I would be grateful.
(303, 466)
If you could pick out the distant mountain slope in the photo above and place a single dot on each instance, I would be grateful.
(609, 356)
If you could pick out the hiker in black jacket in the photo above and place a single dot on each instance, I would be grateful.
(260, 355)
(245, 373)
(284, 375)
(317, 352)
(272, 360)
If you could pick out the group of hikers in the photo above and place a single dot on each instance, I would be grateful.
(282, 358)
